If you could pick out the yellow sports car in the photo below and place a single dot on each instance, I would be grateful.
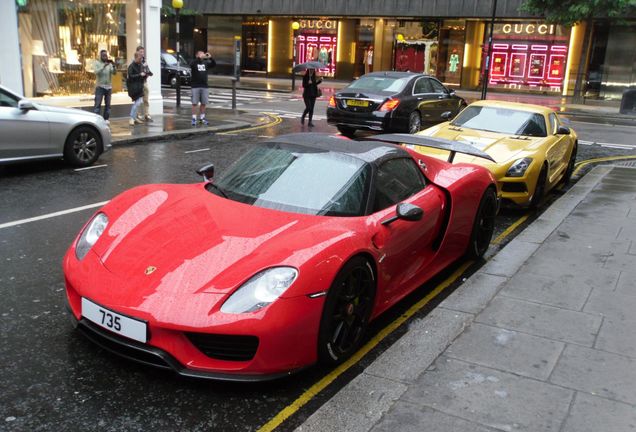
(533, 150)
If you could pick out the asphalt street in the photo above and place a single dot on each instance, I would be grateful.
(53, 379)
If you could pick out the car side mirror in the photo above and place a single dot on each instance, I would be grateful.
(407, 212)
(25, 105)
(207, 171)
(451, 92)
(563, 130)
(447, 115)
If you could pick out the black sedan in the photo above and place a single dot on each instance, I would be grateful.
(170, 69)
(392, 101)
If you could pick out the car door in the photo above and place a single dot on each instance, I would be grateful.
(558, 151)
(25, 133)
(406, 246)
(445, 100)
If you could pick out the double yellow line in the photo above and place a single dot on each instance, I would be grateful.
(275, 120)
(582, 164)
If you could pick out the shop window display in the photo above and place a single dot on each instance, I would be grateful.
(317, 41)
(60, 41)
(416, 47)
(452, 37)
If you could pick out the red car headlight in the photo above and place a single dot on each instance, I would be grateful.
(91, 234)
(261, 290)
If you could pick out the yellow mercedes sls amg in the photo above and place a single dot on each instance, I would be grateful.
(533, 150)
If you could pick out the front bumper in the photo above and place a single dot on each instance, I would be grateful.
(373, 120)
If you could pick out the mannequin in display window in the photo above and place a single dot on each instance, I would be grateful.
(368, 60)
(323, 56)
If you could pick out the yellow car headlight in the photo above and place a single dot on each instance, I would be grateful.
(519, 167)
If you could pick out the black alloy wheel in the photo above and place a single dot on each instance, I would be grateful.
(346, 313)
(83, 146)
(539, 190)
(173, 81)
(483, 225)
(567, 176)
(347, 131)
(415, 122)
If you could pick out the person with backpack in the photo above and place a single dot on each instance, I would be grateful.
(135, 84)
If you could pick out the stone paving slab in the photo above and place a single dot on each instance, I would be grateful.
(562, 291)
(507, 350)
(490, 397)
(594, 414)
(473, 295)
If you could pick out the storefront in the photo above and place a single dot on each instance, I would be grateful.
(317, 40)
(529, 56)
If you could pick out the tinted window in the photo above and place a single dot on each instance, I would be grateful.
(438, 87)
(321, 183)
(397, 179)
(8, 100)
(502, 120)
(422, 85)
(379, 83)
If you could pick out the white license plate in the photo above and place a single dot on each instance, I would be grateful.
(117, 323)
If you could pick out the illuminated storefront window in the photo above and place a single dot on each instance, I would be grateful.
(317, 40)
(416, 46)
(529, 56)
(61, 40)
(254, 45)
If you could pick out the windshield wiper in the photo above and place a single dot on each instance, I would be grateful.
(218, 188)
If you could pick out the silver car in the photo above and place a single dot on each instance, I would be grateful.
(33, 131)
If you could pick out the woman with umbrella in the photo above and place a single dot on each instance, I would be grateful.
(310, 93)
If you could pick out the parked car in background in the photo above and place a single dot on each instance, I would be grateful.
(391, 101)
(33, 131)
(170, 68)
(533, 150)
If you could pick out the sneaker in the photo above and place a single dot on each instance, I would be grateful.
(107, 122)
(148, 118)
(204, 122)
(194, 122)
(132, 122)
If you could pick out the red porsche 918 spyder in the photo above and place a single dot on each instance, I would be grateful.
(282, 261)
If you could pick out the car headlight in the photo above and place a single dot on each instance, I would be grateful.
(261, 290)
(184, 72)
(519, 168)
(91, 233)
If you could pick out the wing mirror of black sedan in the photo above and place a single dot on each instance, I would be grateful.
(407, 212)
(207, 171)
(447, 115)
(25, 105)
(563, 130)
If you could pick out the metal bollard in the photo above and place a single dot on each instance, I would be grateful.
(234, 93)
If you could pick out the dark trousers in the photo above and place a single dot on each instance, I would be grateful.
(309, 106)
(100, 93)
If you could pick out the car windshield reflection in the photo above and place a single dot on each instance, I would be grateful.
(297, 180)
(379, 84)
(501, 120)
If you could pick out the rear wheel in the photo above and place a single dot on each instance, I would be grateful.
(346, 312)
(539, 190)
(570, 169)
(483, 225)
(83, 146)
(415, 122)
(347, 131)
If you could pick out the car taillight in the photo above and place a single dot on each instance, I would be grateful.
(332, 102)
(390, 105)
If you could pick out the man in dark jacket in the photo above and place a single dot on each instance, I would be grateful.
(135, 84)
(199, 83)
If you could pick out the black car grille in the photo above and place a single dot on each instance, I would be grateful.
(513, 187)
(225, 347)
(342, 104)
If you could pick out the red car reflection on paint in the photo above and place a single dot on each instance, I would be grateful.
(279, 263)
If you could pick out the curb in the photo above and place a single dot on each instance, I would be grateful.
(372, 393)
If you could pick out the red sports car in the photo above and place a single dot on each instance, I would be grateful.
(279, 263)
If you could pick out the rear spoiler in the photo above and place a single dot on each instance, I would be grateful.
(439, 143)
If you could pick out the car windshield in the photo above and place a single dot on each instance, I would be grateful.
(379, 84)
(171, 60)
(501, 120)
(296, 180)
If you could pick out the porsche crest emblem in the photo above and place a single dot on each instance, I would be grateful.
(150, 270)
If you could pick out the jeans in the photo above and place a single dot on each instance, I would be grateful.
(309, 107)
(100, 93)
(133, 111)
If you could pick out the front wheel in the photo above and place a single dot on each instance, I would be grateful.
(415, 122)
(483, 225)
(570, 169)
(173, 81)
(83, 146)
(539, 190)
(346, 312)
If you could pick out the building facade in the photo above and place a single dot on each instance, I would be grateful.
(447, 39)
(53, 45)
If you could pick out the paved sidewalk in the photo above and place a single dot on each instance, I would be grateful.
(539, 339)
(176, 123)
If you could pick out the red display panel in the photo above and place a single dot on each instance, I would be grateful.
(318, 47)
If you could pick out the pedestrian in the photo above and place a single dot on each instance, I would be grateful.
(104, 71)
(310, 93)
(146, 106)
(199, 83)
(135, 84)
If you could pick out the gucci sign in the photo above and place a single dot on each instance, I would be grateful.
(528, 29)
(318, 24)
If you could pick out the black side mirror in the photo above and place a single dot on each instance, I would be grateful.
(563, 130)
(406, 211)
(451, 92)
(207, 171)
(447, 115)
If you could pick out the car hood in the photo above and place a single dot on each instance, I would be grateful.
(501, 147)
(181, 68)
(62, 110)
(182, 239)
